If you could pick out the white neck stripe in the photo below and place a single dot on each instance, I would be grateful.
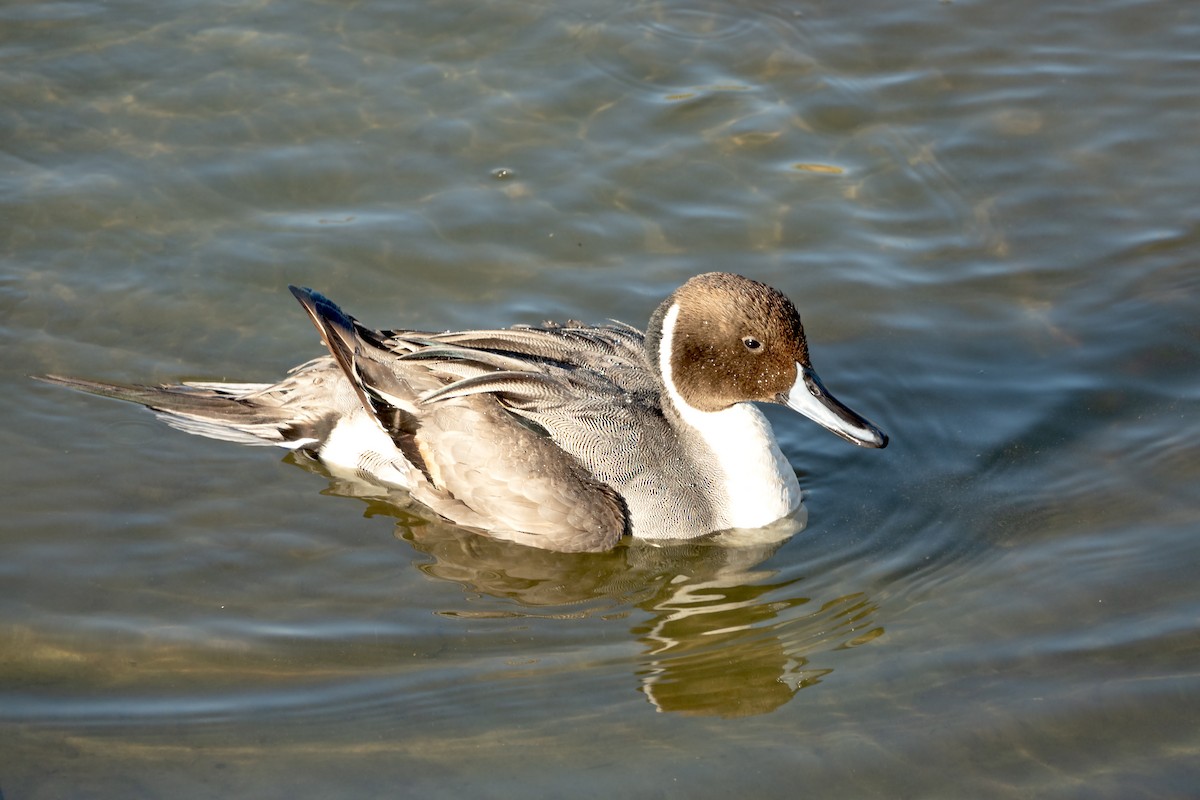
(666, 345)
(760, 485)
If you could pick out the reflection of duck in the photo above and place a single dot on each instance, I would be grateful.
(719, 639)
(564, 437)
(731, 645)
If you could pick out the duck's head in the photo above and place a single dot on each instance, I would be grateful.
(721, 339)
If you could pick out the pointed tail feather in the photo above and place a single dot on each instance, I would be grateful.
(205, 411)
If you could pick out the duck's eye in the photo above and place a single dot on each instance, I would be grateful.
(751, 343)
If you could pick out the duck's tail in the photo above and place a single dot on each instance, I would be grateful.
(246, 413)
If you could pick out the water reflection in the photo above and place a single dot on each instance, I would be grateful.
(721, 636)
(731, 647)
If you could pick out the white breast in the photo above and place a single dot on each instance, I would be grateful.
(759, 483)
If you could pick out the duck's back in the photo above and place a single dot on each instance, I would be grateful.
(594, 392)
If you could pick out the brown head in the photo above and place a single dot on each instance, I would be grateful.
(721, 339)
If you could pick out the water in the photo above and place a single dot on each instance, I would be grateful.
(986, 213)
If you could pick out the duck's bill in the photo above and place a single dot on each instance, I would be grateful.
(809, 397)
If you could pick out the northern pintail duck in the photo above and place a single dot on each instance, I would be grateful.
(565, 437)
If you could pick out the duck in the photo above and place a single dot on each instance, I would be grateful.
(561, 436)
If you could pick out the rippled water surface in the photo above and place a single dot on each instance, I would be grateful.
(987, 214)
